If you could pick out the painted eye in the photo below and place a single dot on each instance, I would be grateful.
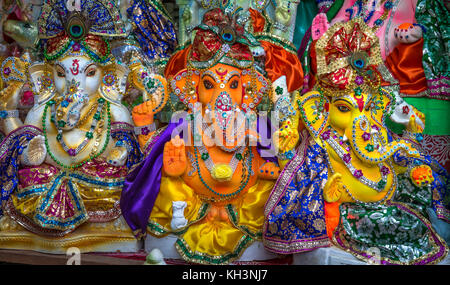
(91, 72)
(343, 108)
(234, 84)
(60, 73)
(208, 85)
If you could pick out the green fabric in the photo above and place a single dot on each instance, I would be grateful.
(306, 11)
(399, 234)
(437, 116)
(334, 9)
(434, 16)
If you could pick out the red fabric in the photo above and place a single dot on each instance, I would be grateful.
(405, 64)
(258, 21)
(281, 62)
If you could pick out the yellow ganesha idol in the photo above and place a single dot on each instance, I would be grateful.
(204, 194)
(350, 182)
(63, 168)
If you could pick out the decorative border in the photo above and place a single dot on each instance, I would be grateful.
(198, 257)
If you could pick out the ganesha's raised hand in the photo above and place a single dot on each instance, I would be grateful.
(287, 138)
(333, 188)
(408, 33)
(142, 114)
(174, 157)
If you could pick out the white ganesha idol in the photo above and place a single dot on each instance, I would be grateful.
(63, 168)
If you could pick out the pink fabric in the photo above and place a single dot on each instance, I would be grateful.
(403, 13)
(61, 206)
(102, 169)
(36, 175)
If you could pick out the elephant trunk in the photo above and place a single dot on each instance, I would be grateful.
(370, 143)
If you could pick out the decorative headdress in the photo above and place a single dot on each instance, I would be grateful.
(84, 31)
(221, 38)
(347, 57)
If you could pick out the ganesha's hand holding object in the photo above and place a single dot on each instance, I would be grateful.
(35, 153)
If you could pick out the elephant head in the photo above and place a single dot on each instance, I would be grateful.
(73, 81)
(356, 119)
(224, 92)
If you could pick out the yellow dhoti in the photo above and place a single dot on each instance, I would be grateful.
(205, 240)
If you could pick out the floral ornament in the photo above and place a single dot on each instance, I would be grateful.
(347, 56)
(109, 79)
(366, 136)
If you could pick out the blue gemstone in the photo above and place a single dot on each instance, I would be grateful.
(3, 114)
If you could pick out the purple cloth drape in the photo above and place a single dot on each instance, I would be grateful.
(142, 185)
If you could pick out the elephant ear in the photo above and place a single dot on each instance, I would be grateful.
(383, 104)
(314, 110)
(41, 77)
(114, 82)
(178, 86)
(261, 86)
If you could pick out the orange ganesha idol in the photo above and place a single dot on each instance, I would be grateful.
(203, 190)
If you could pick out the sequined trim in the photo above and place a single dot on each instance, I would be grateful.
(202, 258)
(30, 225)
(104, 216)
(121, 126)
(19, 131)
(297, 246)
(234, 218)
(443, 213)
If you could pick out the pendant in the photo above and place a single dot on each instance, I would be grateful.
(222, 172)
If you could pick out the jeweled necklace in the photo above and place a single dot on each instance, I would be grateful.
(92, 155)
(346, 158)
(212, 167)
(244, 176)
(89, 134)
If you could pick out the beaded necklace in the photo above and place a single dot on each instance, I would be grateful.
(245, 176)
(89, 134)
(92, 155)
